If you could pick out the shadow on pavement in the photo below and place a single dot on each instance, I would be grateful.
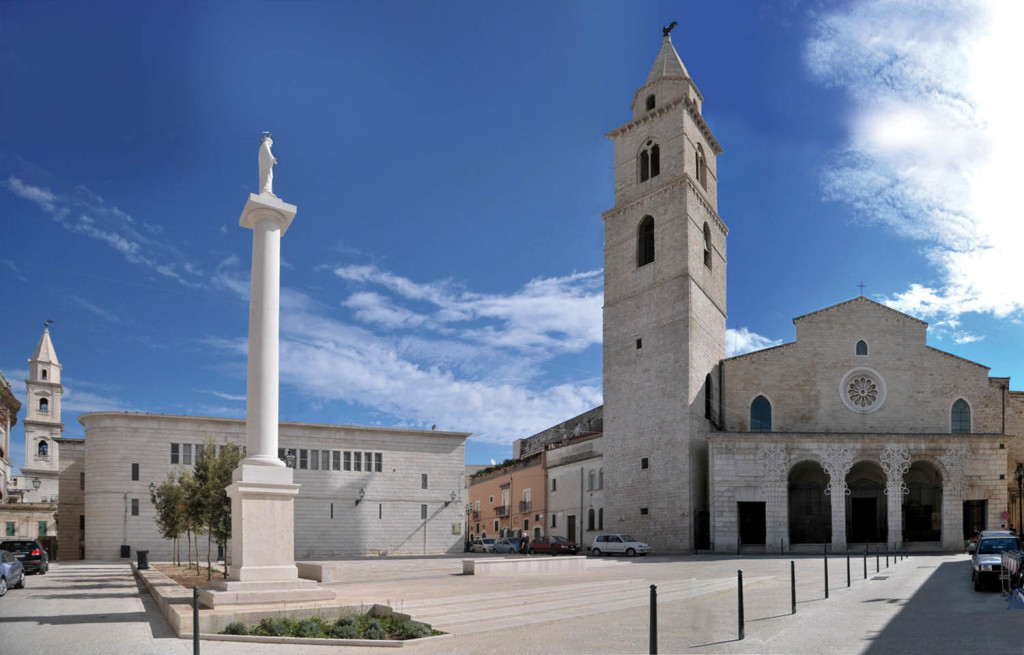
(946, 615)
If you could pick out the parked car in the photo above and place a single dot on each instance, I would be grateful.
(30, 553)
(618, 543)
(987, 561)
(12, 573)
(553, 546)
(973, 542)
(483, 546)
(506, 545)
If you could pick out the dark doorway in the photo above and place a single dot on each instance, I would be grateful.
(572, 527)
(974, 517)
(703, 532)
(864, 520)
(752, 523)
(810, 510)
(922, 507)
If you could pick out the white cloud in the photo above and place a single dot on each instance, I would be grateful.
(95, 309)
(42, 197)
(738, 342)
(934, 140)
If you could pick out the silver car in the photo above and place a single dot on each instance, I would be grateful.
(483, 546)
(987, 561)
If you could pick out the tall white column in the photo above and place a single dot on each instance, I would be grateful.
(268, 225)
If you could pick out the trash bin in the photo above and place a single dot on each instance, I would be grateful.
(143, 558)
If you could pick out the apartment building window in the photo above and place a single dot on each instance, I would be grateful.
(9, 528)
(423, 481)
(186, 454)
(303, 458)
(495, 526)
(135, 506)
(135, 472)
(314, 460)
(368, 459)
(591, 480)
(378, 462)
(590, 519)
(476, 508)
(42, 528)
(348, 460)
(423, 512)
(526, 525)
(325, 460)
(357, 461)
(81, 479)
(175, 459)
(336, 460)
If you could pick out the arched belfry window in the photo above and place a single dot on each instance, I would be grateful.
(645, 241)
(760, 415)
(701, 168)
(42, 374)
(44, 406)
(44, 449)
(960, 417)
(862, 348)
(650, 161)
(707, 245)
(650, 102)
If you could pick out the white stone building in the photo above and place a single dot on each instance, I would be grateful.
(43, 425)
(364, 490)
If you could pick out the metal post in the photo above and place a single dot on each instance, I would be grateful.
(654, 619)
(847, 567)
(792, 585)
(739, 598)
(876, 561)
(826, 571)
(782, 546)
(865, 561)
(887, 556)
(195, 620)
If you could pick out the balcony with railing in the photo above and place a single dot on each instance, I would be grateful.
(524, 506)
(501, 510)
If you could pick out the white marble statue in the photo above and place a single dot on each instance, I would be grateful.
(267, 162)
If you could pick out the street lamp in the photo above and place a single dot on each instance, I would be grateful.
(289, 458)
(449, 502)
(1019, 474)
(35, 483)
(152, 492)
(360, 499)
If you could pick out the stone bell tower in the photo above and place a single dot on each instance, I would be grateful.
(664, 311)
(42, 423)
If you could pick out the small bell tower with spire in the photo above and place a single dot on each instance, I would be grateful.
(42, 423)
(664, 311)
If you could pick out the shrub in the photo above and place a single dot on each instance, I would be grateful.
(308, 628)
(235, 628)
(276, 627)
(347, 619)
(345, 631)
(373, 629)
(415, 630)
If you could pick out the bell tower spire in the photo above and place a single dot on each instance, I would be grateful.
(42, 422)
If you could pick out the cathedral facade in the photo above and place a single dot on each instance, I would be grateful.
(857, 432)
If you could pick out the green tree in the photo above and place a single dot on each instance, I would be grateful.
(170, 508)
(219, 515)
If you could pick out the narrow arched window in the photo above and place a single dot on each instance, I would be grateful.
(707, 246)
(960, 417)
(650, 161)
(600, 479)
(760, 415)
(701, 166)
(44, 406)
(591, 477)
(44, 449)
(590, 520)
(862, 348)
(709, 395)
(600, 519)
(42, 374)
(645, 242)
(650, 102)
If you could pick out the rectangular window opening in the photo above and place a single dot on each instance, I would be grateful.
(643, 511)
(423, 481)
(135, 506)
(174, 454)
(186, 454)
(348, 460)
(645, 463)
(336, 460)
(303, 458)
(423, 512)
(135, 472)
(378, 462)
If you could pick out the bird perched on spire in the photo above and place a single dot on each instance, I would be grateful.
(666, 30)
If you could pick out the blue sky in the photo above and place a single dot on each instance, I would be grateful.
(449, 164)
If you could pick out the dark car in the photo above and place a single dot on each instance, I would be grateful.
(987, 561)
(12, 573)
(554, 546)
(30, 553)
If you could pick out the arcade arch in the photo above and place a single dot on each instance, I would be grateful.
(810, 510)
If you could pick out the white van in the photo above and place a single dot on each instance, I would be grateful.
(618, 543)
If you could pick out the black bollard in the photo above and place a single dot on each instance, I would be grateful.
(876, 561)
(654, 619)
(865, 561)
(739, 598)
(195, 620)
(887, 556)
(847, 567)
(792, 585)
(782, 546)
(826, 571)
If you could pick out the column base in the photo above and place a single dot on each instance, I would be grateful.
(224, 593)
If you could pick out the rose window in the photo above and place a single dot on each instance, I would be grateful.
(863, 391)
